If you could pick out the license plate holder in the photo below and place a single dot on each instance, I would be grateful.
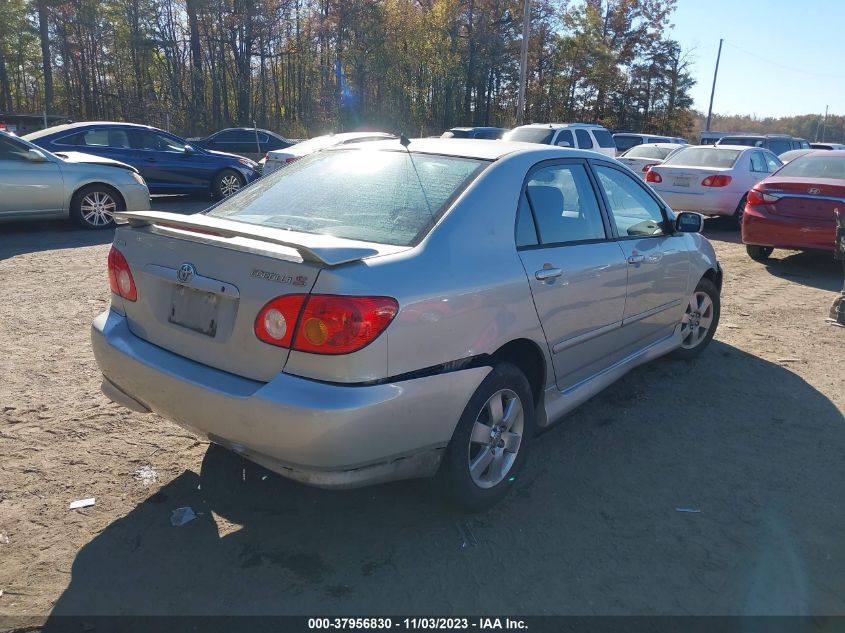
(681, 182)
(194, 309)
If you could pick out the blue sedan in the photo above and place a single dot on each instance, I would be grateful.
(169, 164)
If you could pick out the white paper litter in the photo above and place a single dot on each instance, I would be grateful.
(146, 475)
(82, 503)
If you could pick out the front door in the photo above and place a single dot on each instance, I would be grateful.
(166, 166)
(576, 271)
(27, 186)
(658, 263)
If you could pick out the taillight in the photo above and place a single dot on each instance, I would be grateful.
(758, 197)
(288, 161)
(120, 277)
(652, 176)
(647, 167)
(266, 157)
(716, 181)
(276, 320)
(324, 324)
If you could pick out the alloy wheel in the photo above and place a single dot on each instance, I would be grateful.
(495, 439)
(97, 208)
(229, 184)
(698, 318)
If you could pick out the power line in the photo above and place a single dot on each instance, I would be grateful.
(778, 64)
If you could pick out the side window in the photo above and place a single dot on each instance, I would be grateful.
(72, 139)
(564, 139)
(584, 140)
(105, 137)
(779, 147)
(526, 232)
(634, 211)
(758, 163)
(773, 163)
(564, 205)
(9, 150)
(158, 142)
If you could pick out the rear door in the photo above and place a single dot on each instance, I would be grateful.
(657, 260)
(107, 141)
(576, 271)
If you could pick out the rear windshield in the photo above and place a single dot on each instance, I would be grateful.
(626, 142)
(741, 140)
(815, 167)
(457, 134)
(644, 151)
(531, 135)
(704, 157)
(389, 197)
(604, 138)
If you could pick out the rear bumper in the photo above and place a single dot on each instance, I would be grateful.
(762, 229)
(710, 203)
(328, 435)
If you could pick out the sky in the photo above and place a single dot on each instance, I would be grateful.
(779, 58)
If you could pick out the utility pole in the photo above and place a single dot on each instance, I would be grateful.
(523, 63)
(713, 89)
(824, 125)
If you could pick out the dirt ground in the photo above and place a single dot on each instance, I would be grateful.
(752, 435)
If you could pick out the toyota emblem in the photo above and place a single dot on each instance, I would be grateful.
(813, 191)
(186, 272)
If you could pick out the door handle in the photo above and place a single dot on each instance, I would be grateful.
(547, 273)
(636, 259)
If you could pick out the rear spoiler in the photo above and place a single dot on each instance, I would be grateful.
(326, 250)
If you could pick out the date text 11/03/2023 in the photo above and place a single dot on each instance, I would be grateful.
(419, 623)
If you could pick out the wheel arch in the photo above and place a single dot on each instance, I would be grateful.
(529, 358)
(98, 183)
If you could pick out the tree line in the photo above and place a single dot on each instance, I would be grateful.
(812, 127)
(304, 67)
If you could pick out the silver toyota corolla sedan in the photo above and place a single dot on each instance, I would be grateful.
(36, 184)
(377, 312)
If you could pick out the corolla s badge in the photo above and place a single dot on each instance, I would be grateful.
(813, 191)
(186, 272)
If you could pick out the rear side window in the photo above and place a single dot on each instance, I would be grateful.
(584, 140)
(563, 204)
(603, 138)
(635, 212)
(780, 146)
(565, 139)
(704, 157)
(531, 135)
(389, 197)
(758, 163)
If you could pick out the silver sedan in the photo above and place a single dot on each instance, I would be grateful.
(372, 313)
(35, 184)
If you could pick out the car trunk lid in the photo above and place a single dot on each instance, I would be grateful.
(683, 179)
(201, 282)
(809, 198)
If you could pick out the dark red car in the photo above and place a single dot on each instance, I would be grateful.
(794, 207)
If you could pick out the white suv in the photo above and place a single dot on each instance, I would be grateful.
(575, 135)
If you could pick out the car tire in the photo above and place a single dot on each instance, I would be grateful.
(226, 183)
(759, 253)
(740, 211)
(700, 320)
(479, 467)
(93, 206)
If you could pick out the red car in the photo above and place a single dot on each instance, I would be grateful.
(794, 207)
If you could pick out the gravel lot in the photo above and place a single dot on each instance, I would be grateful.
(751, 434)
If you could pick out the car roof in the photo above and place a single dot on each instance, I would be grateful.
(476, 148)
(73, 126)
(556, 126)
(477, 127)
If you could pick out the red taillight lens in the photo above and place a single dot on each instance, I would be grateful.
(324, 324)
(335, 324)
(288, 161)
(756, 197)
(716, 181)
(276, 321)
(647, 167)
(652, 176)
(120, 277)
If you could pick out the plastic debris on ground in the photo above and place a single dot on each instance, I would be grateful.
(82, 503)
(4, 538)
(146, 475)
(181, 516)
(688, 510)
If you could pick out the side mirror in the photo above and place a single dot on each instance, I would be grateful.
(35, 156)
(190, 150)
(687, 222)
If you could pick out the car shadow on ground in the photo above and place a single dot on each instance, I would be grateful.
(703, 487)
(722, 229)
